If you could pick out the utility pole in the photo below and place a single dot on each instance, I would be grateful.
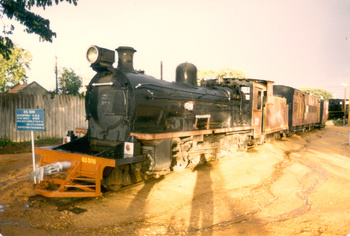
(349, 111)
(348, 108)
(344, 105)
(64, 84)
(56, 75)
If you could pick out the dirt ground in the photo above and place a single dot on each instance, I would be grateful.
(297, 186)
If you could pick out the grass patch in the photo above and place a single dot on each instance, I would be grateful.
(4, 142)
(48, 141)
(9, 147)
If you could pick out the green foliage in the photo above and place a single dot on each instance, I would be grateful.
(5, 141)
(13, 69)
(9, 147)
(34, 24)
(320, 93)
(221, 73)
(6, 46)
(48, 141)
(72, 82)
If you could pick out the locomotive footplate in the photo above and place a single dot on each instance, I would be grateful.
(123, 153)
(128, 160)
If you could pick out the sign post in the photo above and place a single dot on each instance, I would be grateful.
(31, 120)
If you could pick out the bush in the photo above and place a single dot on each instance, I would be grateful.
(9, 147)
(5, 141)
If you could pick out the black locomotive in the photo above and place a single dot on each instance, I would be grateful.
(337, 110)
(140, 126)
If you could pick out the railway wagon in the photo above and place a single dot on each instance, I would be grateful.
(141, 127)
(305, 110)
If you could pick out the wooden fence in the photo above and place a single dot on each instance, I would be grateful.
(62, 113)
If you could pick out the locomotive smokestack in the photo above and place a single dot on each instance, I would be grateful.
(125, 58)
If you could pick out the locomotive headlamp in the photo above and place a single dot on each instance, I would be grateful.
(100, 57)
(92, 54)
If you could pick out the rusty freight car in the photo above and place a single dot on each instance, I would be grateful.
(305, 110)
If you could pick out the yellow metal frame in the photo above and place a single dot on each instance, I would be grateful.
(83, 179)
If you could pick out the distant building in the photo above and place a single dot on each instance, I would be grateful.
(32, 88)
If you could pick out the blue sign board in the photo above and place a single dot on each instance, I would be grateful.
(30, 119)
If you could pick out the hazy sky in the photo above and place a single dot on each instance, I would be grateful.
(299, 43)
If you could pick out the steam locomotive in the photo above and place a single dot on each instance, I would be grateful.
(337, 110)
(142, 127)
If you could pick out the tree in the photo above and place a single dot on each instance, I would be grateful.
(320, 93)
(13, 69)
(69, 82)
(221, 73)
(35, 24)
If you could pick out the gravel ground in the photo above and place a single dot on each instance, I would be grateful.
(296, 186)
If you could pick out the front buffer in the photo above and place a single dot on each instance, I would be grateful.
(82, 178)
